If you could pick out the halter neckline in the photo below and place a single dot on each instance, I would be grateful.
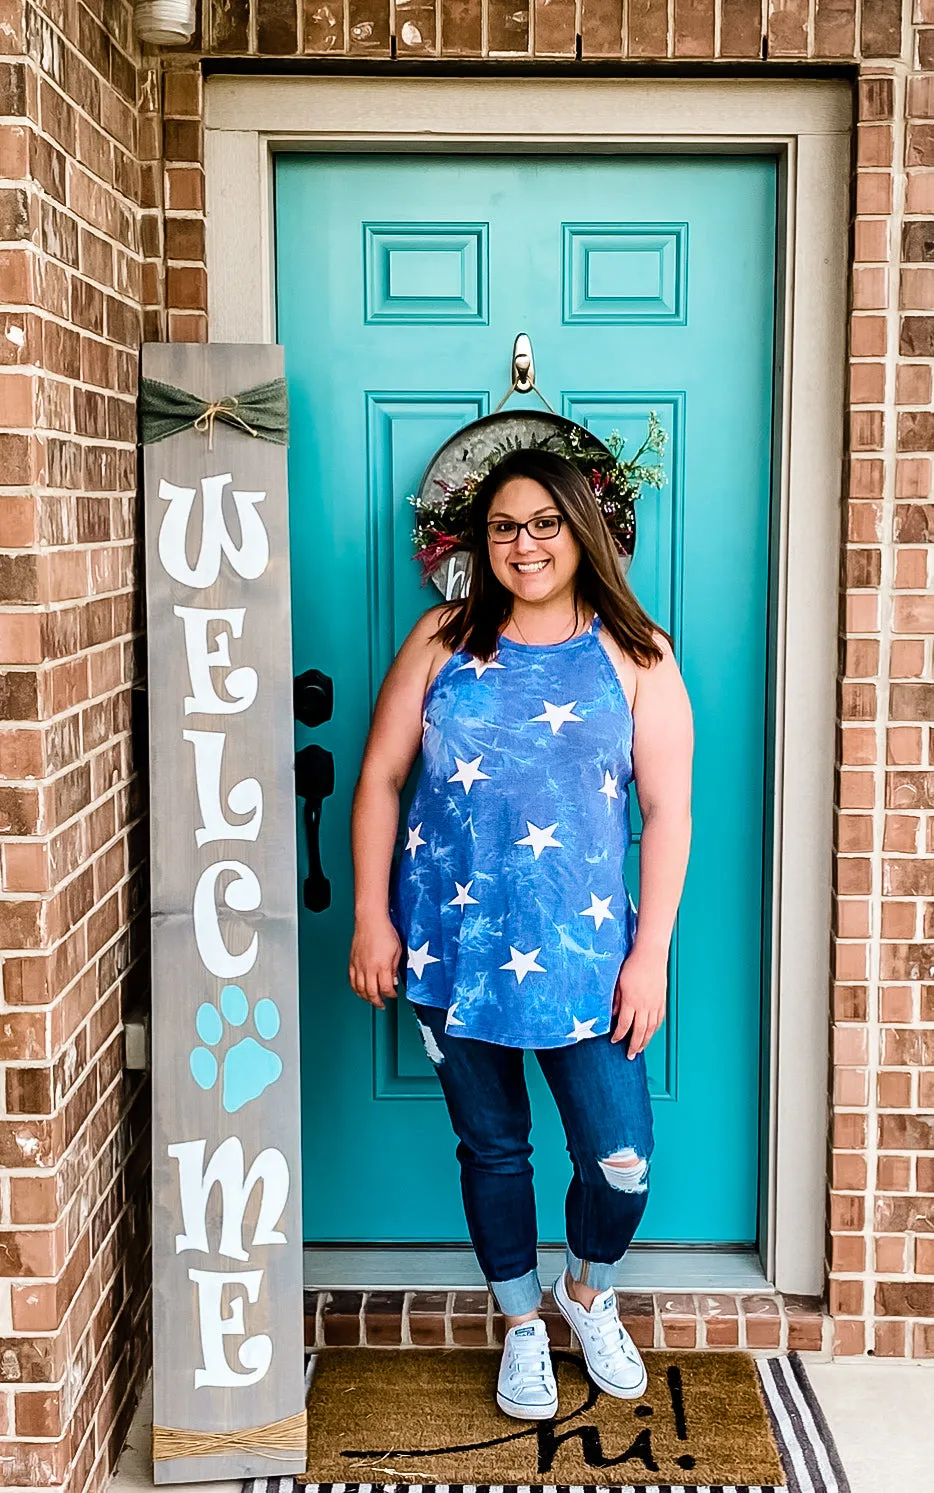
(589, 631)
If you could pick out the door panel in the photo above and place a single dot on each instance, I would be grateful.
(644, 284)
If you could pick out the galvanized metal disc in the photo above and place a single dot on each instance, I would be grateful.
(517, 430)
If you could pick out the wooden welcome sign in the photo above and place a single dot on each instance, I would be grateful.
(227, 1260)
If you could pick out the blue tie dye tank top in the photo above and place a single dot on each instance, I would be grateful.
(509, 895)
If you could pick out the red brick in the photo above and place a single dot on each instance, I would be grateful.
(904, 1299)
(648, 29)
(849, 1338)
(894, 1172)
(874, 145)
(913, 383)
(881, 28)
(867, 383)
(788, 28)
(873, 192)
(867, 338)
(922, 1340)
(601, 28)
(324, 26)
(834, 28)
(741, 28)
(693, 28)
(847, 1253)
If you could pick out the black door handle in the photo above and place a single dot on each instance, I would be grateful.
(313, 704)
(314, 782)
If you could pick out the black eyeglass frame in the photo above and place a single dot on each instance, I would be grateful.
(545, 538)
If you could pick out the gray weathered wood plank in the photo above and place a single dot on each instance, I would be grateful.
(253, 1105)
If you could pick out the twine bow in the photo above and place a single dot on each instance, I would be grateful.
(227, 408)
(262, 411)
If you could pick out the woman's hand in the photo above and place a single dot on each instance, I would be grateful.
(639, 999)
(374, 960)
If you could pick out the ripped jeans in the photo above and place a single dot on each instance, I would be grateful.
(603, 1101)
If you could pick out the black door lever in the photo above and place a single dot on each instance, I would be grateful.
(313, 704)
(314, 782)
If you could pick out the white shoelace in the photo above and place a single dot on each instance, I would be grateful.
(529, 1363)
(607, 1336)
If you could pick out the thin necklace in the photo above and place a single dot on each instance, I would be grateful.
(531, 645)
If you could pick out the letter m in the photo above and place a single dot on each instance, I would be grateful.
(270, 1172)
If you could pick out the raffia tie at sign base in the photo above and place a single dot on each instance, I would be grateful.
(281, 1440)
(430, 1417)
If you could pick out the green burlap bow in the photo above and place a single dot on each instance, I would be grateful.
(262, 411)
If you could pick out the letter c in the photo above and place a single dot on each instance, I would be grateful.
(242, 894)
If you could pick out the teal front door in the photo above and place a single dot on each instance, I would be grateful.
(644, 283)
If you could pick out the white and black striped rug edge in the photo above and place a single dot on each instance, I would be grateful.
(288, 1485)
(809, 1455)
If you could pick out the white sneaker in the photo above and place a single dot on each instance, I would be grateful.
(612, 1358)
(526, 1387)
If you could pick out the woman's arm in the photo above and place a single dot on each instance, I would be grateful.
(663, 742)
(391, 748)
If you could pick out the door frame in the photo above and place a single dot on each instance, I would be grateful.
(807, 125)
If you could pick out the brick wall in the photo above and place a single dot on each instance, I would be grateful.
(102, 241)
(73, 1126)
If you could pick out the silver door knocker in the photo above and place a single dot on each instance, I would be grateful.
(523, 373)
(523, 365)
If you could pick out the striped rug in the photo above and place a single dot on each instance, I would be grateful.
(805, 1443)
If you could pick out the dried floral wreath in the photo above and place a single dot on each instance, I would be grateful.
(442, 514)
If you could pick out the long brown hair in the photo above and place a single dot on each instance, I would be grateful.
(474, 622)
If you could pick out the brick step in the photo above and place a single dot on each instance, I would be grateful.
(470, 1319)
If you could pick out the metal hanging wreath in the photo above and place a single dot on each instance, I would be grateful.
(445, 493)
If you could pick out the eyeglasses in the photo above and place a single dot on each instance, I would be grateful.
(505, 530)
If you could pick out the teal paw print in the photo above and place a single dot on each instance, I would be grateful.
(247, 1068)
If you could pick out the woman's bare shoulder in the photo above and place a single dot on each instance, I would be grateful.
(422, 647)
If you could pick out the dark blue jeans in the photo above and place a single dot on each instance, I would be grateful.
(603, 1101)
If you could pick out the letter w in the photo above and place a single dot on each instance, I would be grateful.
(249, 559)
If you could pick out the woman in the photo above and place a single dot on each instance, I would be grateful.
(534, 701)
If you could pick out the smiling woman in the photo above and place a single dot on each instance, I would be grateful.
(535, 701)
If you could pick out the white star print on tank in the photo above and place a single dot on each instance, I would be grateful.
(451, 1019)
(557, 715)
(540, 839)
(415, 839)
(418, 958)
(610, 786)
(480, 666)
(468, 772)
(523, 964)
(583, 1029)
(463, 895)
(599, 909)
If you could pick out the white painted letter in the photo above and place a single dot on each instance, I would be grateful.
(245, 797)
(243, 894)
(249, 559)
(241, 684)
(254, 1353)
(270, 1170)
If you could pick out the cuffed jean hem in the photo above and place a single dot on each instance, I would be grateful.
(592, 1272)
(517, 1297)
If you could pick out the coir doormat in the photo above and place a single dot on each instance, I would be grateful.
(698, 1408)
(431, 1417)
